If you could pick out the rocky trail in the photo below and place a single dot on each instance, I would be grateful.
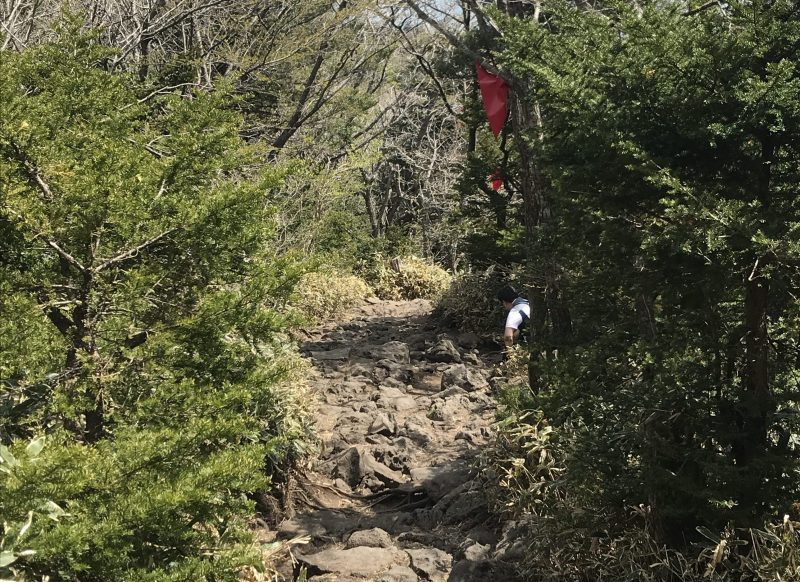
(405, 409)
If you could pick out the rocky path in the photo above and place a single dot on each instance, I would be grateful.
(393, 496)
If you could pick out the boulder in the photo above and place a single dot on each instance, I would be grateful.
(359, 561)
(399, 574)
(371, 538)
(394, 351)
(444, 351)
(382, 424)
(440, 480)
(431, 563)
(462, 377)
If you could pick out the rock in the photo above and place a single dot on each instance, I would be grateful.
(388, 392)
(416, 432)
(511, 546)
(468, 340)
(358, 371)
(372, 538)
(441, 480)
(452, 391)
(387, 476)
(444, 351)
(394, 351)
(470, 358)
(358, 561)
(382, 424)
(399, 574)
(475, 552)
(367, 407)
(404, 403)
(340, 354)
(377, 439)
(469, 571)
(468, 505)
(434, 564)
(350, 467)
(393, 383)
(460, 376)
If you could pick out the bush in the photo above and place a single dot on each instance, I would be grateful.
(469, 302)
(324, 295)
(416, 279)
(569, 537)
(153, 357)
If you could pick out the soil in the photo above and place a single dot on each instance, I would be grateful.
(395, 495)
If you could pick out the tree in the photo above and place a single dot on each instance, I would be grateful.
(670, 139)
(140, 331)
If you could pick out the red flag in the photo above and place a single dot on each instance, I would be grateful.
(497, 180)
(494, 91)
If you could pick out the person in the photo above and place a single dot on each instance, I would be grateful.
(519, 313)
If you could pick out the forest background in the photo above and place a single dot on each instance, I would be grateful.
(183, 184)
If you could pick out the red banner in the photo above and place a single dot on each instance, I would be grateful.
(494, 91)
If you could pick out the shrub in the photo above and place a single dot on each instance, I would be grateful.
(569, 537)
(416, 279)
(323, 295)
(469, 302)
(152, 356)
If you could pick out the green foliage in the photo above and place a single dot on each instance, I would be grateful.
(142, 324)
(416, 279)
(326, 294)
(670, 144)
(469, 303)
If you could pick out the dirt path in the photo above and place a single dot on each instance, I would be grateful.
(392, 498)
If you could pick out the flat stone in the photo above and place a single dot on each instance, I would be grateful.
(359, 561)
(433, 563)
(394, 351)
(372, 538)
(404, 403)
(399, 574)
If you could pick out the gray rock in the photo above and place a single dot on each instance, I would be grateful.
(460, 376)
(417, 433)
(350, 467)
(399, 574)
(475, 552)
(404, 403)
(384, 474)
(358, 561)
(382, 424)
(394, 351)
(470, 358)
(388, 392)
(444, 351)
(440, 480)
(434, 564)
(372, 538)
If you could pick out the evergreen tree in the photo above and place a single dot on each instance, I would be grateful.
(139, 332)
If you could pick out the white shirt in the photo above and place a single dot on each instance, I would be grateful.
(514, 318)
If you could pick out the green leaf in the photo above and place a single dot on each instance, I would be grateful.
(35, 447)
(7, 457)
(7, 558)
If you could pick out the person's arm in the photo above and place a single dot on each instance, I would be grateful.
(513, 321)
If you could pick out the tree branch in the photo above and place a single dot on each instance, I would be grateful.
(130, 253)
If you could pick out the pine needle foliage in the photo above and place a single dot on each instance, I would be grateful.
(669, 136)
(141, 329)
